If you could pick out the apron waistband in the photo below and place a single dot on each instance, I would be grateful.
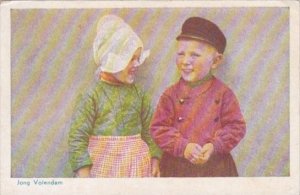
(116, 138)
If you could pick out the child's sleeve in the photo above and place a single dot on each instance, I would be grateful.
(146, 116)
(81, 126)
(162, 128)
(232, 122)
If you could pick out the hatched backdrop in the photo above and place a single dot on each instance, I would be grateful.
(52, 62)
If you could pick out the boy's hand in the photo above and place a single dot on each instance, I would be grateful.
(192, 152)
(197, 155)
(83, 172)
(205, 153)
(155, 167)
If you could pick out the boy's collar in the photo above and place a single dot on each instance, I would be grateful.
(201, 81)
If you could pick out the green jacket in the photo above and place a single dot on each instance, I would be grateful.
(109, 110)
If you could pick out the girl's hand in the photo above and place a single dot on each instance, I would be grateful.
(83, 172)
(155, 167)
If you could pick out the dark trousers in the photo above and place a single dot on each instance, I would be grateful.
(219, 165)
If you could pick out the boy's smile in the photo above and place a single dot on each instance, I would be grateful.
(195, 59)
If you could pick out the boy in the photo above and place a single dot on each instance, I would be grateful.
(198, 119)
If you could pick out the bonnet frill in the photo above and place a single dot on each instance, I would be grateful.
(115, 44)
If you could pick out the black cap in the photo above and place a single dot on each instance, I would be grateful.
(203, 30)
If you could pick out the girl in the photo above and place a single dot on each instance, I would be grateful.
(109, 134)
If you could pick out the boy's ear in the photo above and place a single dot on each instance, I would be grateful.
(218, 59)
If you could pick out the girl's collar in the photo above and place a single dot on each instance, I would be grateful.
(109, 78)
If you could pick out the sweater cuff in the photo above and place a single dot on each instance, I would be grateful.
(156, 153)
(77, 166)
(217, 144)
(180, 147)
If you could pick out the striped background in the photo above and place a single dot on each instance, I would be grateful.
(51, 62)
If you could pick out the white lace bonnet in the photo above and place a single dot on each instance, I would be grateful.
(115, 44)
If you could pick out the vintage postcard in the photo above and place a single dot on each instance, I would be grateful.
(107, 90)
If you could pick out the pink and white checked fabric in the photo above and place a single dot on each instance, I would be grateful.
(119, 156)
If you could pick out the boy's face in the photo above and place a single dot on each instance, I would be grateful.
(127, 75)
(195, 59)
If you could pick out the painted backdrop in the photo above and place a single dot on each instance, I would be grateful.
(51, 62)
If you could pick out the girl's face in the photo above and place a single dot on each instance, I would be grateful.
(195, 59)
(127, 75)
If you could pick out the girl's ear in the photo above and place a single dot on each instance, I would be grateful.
(218, 59)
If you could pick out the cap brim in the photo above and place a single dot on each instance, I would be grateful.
(197, 38)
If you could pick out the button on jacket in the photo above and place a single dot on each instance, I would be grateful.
(209, 112)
